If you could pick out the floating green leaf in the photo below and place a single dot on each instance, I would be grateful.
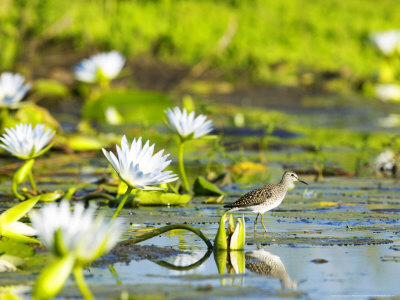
(49, 197)
(35, 114)
(202, 187)
(15, 248)
(161, 198)
(133, 106)
(82, 142)
(50, 88)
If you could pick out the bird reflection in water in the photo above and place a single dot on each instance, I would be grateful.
(265, 263)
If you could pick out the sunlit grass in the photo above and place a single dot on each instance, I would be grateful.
(297, 35)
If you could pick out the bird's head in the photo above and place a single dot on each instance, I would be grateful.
(290, 176)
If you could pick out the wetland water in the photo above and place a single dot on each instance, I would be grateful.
(337, 238)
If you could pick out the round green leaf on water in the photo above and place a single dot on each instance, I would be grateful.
(161, 198)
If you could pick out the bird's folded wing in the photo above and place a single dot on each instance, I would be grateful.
(254, 197)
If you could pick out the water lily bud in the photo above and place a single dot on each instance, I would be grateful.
(231, 225)
(220, 242)
(238, 238)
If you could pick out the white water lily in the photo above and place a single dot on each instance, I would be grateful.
(389, 121)
(385, 161)
(26, 142)
(138, 167)
(186, 124)
(78, 232)
(387, 42)
(388, 92)
(104, 65)
(9, 263)
(12, 89)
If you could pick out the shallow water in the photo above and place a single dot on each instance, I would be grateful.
(351, 223)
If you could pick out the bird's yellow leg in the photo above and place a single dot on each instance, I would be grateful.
(262, 223)
(255, 223)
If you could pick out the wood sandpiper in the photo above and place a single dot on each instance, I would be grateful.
(265, 198)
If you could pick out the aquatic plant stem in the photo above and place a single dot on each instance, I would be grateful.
(163, 229)
(14, 188)
(32, 181)
(122, 202)
(81, 284)
(182, 167)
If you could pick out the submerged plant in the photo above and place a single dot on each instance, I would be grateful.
(100, 68)
(26, 143)
(77, 238)
(188, 127)
(138, 168)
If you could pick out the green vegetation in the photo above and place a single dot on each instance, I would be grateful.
(276, 41)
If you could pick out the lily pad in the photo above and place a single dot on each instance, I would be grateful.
(133, 106)
(82, 142)
(35, 114)
(50, 88)
(49, 197)
(202, 187)
(161, 198)
(14, 248)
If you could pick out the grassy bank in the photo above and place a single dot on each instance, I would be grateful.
(266, 39)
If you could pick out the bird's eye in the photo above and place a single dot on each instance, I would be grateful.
(292, 175)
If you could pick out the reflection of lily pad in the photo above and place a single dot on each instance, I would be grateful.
(133, 106)
(161, 198)
(202, 187)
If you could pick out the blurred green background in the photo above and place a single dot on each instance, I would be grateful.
(284, 42)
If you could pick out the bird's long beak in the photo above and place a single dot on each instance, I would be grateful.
(302, 181)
